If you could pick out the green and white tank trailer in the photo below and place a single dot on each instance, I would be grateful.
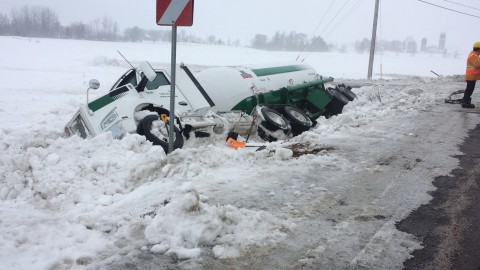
(274, 101)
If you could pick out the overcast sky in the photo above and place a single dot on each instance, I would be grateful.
(242, 19)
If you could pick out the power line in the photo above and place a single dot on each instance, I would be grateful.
(346, 15)
(316, 28)
(450, 9)
(333, 19)
(326, 27)
(461, 4)
(323, 18)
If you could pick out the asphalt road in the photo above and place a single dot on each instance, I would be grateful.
(449, 224)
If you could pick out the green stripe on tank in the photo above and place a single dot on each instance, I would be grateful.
(278, 70)
(104, 101)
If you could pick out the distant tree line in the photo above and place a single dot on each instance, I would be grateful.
(137, 34)
(42, 22)
(289, 42)
(408, 45)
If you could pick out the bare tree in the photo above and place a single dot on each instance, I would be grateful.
(35, 21)
(155, 35)
(259, 41)
(211, 39)
(20, 20)
(109, 29)
(48, 22)
(134, 34)
(95, 29)
(104, 29)
(319, 45)
(295, 41)
(4, 25)
(362, 46)
(278, 41)
(77, 30)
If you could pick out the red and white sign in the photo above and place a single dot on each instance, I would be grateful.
(175, 12)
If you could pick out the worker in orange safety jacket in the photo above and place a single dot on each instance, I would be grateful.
(472, 75)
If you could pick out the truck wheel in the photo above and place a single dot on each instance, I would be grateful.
(273, 125)
(346, 91)
(298, 119)
(339, 96)
(273, 120)
(156, 131)
(335, 106)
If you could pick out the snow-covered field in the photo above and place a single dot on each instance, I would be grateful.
(328, 198)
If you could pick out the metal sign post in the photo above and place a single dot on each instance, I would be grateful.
(171, 128)
(174, 13)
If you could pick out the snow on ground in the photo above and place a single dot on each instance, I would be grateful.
(329, 197)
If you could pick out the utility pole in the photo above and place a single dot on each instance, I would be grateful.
(374, 39)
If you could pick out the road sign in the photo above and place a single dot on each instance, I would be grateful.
(175, 12)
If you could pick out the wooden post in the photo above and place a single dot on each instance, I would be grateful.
(374, 39)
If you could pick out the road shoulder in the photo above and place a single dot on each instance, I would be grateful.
(449, 225)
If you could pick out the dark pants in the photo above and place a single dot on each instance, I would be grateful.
(469, 90)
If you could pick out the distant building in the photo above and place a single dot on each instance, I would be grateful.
(423, 47)
(441, 49)
(411, 46)
(441, 43)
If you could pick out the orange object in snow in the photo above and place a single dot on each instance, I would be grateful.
(164, 117)
(235, 144)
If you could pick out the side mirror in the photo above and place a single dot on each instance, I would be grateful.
(92, 84)
(148, 71)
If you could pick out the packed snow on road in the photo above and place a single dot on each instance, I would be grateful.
(328, 198)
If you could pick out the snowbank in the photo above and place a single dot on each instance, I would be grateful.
(339, 188)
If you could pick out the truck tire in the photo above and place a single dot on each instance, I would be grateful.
(339, 96)
(299, 121)
(346, 91)
(273, 122)
(159, 136)
(335, 106)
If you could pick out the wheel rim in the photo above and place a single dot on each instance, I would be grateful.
(276, 118)
(299, 116)
(159, 129)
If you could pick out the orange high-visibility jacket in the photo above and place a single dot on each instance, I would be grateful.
(473, 67)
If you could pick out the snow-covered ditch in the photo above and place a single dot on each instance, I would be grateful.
(328, 198)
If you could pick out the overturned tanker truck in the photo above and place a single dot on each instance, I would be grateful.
(272, 101)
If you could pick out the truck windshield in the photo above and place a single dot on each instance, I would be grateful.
(159, 81)
(128, 77)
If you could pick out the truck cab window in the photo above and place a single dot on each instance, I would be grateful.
(128, 77)
(159, 81)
